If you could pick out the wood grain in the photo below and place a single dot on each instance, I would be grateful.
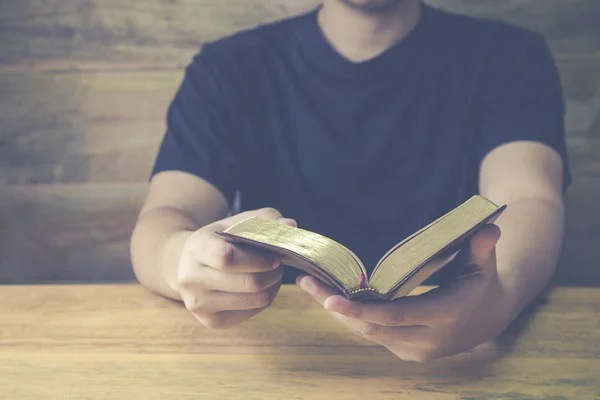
(580, 259)
(92, 126)
(82, 127)
(85, 86)
(80, 232)
(98, 128)
(65, 34)
(67, 232)
(116, 342)
(570, 27)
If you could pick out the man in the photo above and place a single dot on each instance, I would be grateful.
(363, 120)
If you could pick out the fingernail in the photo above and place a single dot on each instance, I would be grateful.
(307, 285)
(288, 221)
(299, 278)
(276, 262)
(327, 304)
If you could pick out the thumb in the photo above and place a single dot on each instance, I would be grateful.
(466, 288)
(482, 244)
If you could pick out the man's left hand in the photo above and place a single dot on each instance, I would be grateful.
(444, 321)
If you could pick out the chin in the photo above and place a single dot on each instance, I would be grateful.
(373, 6)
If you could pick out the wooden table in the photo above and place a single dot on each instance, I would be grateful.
(121, 342)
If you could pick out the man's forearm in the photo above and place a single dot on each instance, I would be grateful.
(156, 246)
(527, 253)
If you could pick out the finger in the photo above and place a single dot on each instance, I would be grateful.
(192, 276)
(317, 289)
(377, 313)
(438, 307)
(383, 335)
(482, 244)
(412, 310)
(246, 282)
(213, 302)
(405, 311)
(416, 335)
(209, 249)
(398, 337)
(322, 292)
(446, 305)
(226, 319)
(266, 213)
(288, 221)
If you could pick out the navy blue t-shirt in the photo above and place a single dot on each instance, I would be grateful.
(364, 153)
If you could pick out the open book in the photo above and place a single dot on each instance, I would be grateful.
(404, 267)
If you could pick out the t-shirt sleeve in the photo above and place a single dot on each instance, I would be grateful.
(200, 138)
(523, 100)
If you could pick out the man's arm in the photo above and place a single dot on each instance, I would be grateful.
(528, 177)
(479, 305)
(177, 204)
(176, 253)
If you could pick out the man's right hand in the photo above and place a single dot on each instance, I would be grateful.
(223, 284)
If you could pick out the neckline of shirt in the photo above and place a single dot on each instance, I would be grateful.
(320, 54)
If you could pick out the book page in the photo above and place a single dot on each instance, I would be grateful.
(313, 253)
(450, 230)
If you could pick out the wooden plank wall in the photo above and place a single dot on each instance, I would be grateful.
(84, 86)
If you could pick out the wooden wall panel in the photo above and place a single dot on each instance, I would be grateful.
(571, 27)
(67, 232)
(88, 126)
(51, 34)
(58, 34)
(84, 87)
(580, 259)
(80, 232)
(82, 126)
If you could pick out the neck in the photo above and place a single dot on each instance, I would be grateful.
(360, 35)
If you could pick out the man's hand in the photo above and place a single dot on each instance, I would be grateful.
(444, 321)
(223, 284)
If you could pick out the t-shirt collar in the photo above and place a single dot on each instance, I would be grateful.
(319, 53)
